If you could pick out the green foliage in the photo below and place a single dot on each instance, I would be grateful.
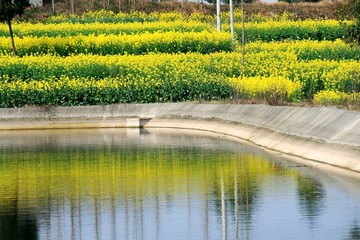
(308, 49)
(291, 30)
(74, 29)
(353, 34)
(10, 8)
(353, 31)
(100, 17)
(274, 90)
(89, 91)
(176, 77)
(330, 97)
(175, 58)
(169, 42)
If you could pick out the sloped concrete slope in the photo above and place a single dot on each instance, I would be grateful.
(326, 135)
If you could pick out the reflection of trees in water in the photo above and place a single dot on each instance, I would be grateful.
(246, 193)
(17, 226)
(235, 192)
(354, 233)
(311, 197)
(227, 183)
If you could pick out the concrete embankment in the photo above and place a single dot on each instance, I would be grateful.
(325, 135)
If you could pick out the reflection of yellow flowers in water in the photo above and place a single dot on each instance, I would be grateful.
(39, 175)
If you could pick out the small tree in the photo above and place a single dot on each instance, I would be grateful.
(353, 31)
(8, 10)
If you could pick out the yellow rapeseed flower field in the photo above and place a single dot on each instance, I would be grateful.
(103, 57)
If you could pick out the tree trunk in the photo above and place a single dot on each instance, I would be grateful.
(53, 6)
(72, 6)
(12, 37)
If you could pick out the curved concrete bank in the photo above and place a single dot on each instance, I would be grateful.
(325, 135)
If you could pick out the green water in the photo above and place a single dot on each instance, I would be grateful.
(162, 184)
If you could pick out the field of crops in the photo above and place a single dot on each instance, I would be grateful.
(105, 58)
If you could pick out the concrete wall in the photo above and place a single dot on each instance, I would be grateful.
(326, 135)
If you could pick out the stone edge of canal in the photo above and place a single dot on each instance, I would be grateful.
(320, 134)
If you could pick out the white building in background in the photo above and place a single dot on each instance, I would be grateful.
(36, 3)
(269, 1)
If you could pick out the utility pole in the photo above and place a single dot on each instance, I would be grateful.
(242, 40)
(232, 28)
(218, 20)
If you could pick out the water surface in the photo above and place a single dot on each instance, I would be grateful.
(161, 184)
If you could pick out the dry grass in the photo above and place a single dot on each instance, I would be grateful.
(322, 10)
